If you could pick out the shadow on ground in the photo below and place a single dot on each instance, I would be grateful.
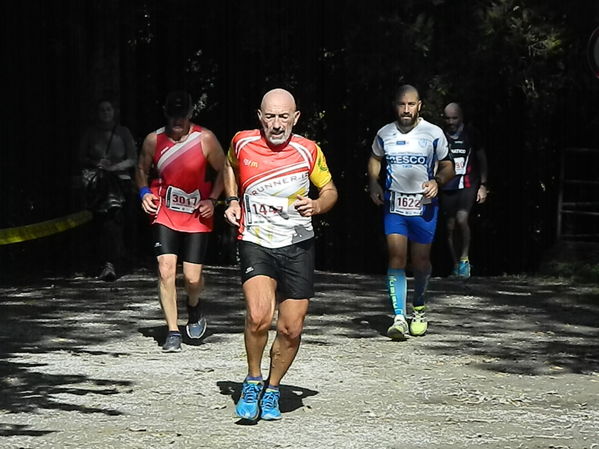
(526, 326)
(292, 397)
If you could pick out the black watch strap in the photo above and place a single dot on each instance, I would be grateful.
(231, 198)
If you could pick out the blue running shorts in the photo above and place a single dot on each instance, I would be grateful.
(419, 229)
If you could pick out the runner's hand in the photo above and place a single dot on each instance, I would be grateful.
(481, 195)
(206, 208)
(431, 188)
(306, 206)
(104, 164)
(148, 203)
(376, 193)
(233, 213)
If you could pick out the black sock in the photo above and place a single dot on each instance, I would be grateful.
(194, 312)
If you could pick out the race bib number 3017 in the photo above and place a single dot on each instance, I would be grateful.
(181, 201)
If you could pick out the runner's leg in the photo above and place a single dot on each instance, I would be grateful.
(421, 264)
(290, 324)
(167, 271)
(397, 246)
(260, 298)
(464, 231)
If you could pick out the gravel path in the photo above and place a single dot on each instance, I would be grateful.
(509, 362)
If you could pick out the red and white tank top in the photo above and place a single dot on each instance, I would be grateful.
(181, 182)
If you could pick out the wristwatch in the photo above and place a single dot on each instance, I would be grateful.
(231, 198)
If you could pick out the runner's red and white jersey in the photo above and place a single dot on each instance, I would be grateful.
(181, 182)
(269, 180)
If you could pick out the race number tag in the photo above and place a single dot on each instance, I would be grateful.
(262, 209)
(407, 204)
(460, 165)
(181, 201)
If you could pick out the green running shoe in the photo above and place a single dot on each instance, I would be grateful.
(399, 329)
(418, 323)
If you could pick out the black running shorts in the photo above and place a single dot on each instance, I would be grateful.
(189, 246)
(291, 266)
(453, 201)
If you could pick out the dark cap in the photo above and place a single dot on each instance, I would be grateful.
(178, 104)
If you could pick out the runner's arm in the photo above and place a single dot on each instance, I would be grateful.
(443, 175)
(233, 211)
(481, 195)
(142, 173)
(216, 158)
(374, 187)
(327, 197)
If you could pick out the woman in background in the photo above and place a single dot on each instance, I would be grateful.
(107, 155)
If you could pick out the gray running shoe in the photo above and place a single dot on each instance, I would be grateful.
(108, 273)
(196, 323)
(399, 329)
(197, 329)
(172, 343)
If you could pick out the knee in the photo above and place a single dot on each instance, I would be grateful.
(291, 331)
(257, 322)
(422, 263)
(194, 283)
(397, 261)
(462, 220)
(167, 271)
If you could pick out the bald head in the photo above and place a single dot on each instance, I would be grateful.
(453, 117)
(278, 115)
(278, 96)
(453, 109)
(404, 90)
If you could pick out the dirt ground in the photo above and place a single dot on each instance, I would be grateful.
(509, 362)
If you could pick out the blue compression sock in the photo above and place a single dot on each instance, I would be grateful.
(397, 286)
(421, 279)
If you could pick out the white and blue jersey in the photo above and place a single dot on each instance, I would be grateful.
(411, 157)
(411, 160)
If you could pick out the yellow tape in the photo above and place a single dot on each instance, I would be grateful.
(44, 228)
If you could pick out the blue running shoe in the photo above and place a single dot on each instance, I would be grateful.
(270, 405)
(247, 406)
(464, 269)
(455, 272)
